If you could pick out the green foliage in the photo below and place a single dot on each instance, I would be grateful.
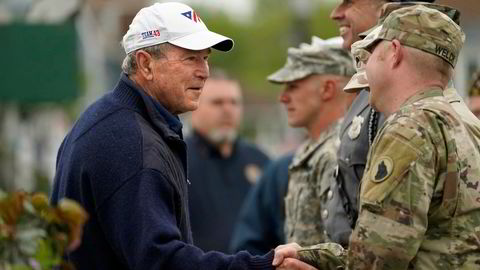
(261, 43)
(47, 256)
(34, 235)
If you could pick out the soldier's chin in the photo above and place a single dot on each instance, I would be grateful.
(347, 41)
(295, 123)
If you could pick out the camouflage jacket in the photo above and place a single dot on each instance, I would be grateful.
(420, 194)
(352, 156)
(310, 175)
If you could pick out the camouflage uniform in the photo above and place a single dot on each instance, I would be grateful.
(415, 213)
(313, 165)
(309, 189)
(420, 194)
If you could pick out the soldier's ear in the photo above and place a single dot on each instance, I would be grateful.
(329, 89)
(398, 53)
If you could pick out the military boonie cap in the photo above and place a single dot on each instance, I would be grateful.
(475, 89)
(389, 7)
(319, 57)
(359, 80)
(422, 28)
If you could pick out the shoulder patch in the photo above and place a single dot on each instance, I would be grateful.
(382, 169)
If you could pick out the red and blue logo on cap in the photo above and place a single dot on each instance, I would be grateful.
(192, 15)
(150, 34)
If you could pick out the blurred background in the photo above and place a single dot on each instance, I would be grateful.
(58, 56)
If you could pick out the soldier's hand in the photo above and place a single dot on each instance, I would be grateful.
(294, 264)
(285, 251)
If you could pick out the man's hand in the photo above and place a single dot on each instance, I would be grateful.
(285, 251)
(294, 264)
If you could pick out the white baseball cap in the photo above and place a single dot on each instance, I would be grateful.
(175, 23)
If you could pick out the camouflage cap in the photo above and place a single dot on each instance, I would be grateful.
(359, 80)
(319, 57)
(422, 28)
(475, 89)
(389, 7)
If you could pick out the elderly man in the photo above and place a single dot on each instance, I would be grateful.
(314, 77)
(221, 166)
(418, 206)
(125, 160)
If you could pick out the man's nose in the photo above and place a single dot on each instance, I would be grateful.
(203, 71)
(283, 97)
(337, 13)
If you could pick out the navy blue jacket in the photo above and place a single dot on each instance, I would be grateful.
(218, 188)
(261, 221)
(125, 162)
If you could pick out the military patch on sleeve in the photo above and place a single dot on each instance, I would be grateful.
(382, 169)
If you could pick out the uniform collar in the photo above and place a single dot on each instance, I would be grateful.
(308, 149)
(430, 92)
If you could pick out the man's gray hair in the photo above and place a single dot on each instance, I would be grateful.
(129, 65)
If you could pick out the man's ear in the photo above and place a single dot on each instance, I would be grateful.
(398, 53)
(144, 64)
(329, 89)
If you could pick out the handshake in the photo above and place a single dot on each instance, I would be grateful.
(321, 256)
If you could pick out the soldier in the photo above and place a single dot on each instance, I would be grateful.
(358, 129)
(361, 121)
(314, 76)
(419, 206)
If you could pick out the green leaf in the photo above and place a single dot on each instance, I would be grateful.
(46, 255)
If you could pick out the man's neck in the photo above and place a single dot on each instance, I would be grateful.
(225, 148)
(317, 128)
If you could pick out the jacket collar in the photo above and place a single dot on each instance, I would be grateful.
(132, 95)
(430, 92)
(311, 146)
